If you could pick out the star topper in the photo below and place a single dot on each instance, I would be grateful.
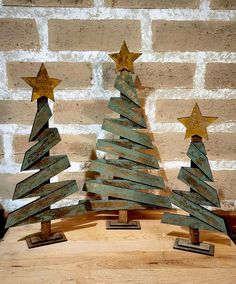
(196, 124)
(124, 59)
(42, 85)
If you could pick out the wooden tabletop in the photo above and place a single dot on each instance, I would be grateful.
(93, 254)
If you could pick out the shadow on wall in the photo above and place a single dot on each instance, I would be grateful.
(3, 218)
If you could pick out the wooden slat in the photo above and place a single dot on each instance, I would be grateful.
(116, 204)
(48, 138)
(46, 189)
(24, 187)
(137, 176)
(199, 212)
(186, 221)
(126, 109)
(57, 213)
(147, 198)
(130, 154)
(38, 205)
(199, 186)
(200, 160)
(113, 126)
(126, 90)
(41, 118)
(201, 147)
(131, 165)
(126, 184)
(194, 197)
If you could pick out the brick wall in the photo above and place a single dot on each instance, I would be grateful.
(189, 55)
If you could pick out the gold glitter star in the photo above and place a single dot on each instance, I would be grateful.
(42, 85)
(196, 124)
(124, 59)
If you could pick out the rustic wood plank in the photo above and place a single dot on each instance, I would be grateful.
(127, 109)
(130, 154)
(200, 160)
(131, 165)
(199, 212)
(186, 221)
(194, 197)
(48, 138)
(57, 213)
(127, 90)
(24, 187)
(199, 186)
(118, 192)
(113, 126)
(38, 205)
(40, 120)
(116, 204)
(46, 189)
(201, 147)
(137, 176)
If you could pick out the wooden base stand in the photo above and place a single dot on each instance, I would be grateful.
(194, 245)
(123, 223)
(46, 237)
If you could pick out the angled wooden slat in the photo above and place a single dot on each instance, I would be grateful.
(130, 154)
(46, 189)
(57, 213)
(38, 205)
(137, 176)
(124, 108)
(194, 197)
(113, 126)
(24, 187)
(48, 138)
(45, 162)
(198, 212)
(131, 165)
(199, 186)
(116, 204)
(107, 190)
(201, 147)
(126, 90)
(41, 118)
(126, 184)
(200, 160)
(186, 221)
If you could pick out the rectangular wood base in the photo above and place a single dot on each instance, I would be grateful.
(202, 248)
(116, 225)
(37, 241)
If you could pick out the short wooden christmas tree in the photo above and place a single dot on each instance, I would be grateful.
(130, 180)
(201, 193)
(38, 157)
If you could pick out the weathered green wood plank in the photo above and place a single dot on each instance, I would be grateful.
(127, 90)
(41, 118)
(124, 108)
(130, 154)
(198, 212)
(57, 213)
(147, 198)
(200, 160)
(126, 184)
(199, 186)
(201, 147)
(131, 165)
(194, 197)
(48, 138)
(24, 187)
(46, 188)
(117, 204)
(186, 221)
(113, 126)
(42, 203)
(137, 176)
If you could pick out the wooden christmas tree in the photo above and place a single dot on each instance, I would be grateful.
(130, 180)
(38, 157)
(201, 193)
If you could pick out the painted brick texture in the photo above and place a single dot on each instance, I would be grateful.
(188, 56)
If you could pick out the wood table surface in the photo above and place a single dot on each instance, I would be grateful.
(93, 254)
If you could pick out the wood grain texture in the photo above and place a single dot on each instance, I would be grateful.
(94, 255)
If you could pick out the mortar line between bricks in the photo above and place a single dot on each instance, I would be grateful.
(42, 26)
(146, 33)
(7, 141)
(200, 70)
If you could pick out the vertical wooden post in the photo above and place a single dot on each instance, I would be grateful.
(123, 216)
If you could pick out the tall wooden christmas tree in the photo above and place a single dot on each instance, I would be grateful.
(130, 180)
(38, 157)
(201, 193)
